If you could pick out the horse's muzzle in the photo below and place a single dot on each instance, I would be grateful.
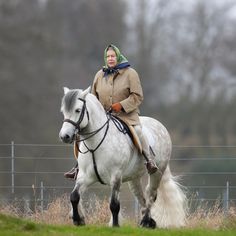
(66, 138)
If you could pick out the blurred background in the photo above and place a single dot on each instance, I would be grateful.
(184, 52)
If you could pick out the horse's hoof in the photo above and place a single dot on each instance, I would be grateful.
(79, 223)
(148, 223)
(76, 223)
(116, 226)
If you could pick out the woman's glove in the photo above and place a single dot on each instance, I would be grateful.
(116, 107)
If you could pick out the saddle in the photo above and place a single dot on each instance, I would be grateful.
(123, 127)
(132, 134)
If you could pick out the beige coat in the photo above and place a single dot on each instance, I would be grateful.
(125, 87)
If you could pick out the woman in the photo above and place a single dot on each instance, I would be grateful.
(117, 86)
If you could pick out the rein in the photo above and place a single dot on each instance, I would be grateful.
(93, 133)
(90, 134)
(118, 123)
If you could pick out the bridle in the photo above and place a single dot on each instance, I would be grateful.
(79, 131)
(81, 117)
(89, 135)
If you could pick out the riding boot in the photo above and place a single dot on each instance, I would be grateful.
(72, 174)
(150, 165)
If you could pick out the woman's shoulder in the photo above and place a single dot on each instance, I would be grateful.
(131, 71)
(100, 72)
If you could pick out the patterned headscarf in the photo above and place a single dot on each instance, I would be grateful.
(122, 62)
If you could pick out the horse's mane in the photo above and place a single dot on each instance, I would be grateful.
(93, 99)
(69, 99)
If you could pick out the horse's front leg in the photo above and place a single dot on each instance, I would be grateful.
(77, 215)
(115, 202)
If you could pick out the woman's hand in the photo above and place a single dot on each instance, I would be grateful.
(116, 107)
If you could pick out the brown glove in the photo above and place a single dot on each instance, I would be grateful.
(116, 107)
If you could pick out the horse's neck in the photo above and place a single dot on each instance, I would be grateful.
(97, 115)
(99, 121)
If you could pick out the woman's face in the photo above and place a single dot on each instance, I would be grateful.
(111, 58)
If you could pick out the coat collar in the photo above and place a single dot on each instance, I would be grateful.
(121, 71)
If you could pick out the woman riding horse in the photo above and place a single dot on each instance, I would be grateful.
(117, 86)
(109, 157)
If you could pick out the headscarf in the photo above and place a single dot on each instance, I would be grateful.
(122, 62)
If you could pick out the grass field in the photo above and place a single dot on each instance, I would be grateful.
(54, 220)
(15, 226)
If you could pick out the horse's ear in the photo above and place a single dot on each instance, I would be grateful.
(85, 92)
(66, 90)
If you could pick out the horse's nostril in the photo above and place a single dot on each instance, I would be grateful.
(65, 138)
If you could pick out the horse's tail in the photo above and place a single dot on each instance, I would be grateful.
(170, 207)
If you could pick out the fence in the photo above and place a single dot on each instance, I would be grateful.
(33, 174)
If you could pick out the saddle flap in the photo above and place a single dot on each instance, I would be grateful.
(76, 148)
(135, 138)
(128, 129)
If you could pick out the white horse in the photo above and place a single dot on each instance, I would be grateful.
(108, 156)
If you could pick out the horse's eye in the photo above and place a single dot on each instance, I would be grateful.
(77, 110)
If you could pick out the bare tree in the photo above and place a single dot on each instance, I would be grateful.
(43, 47)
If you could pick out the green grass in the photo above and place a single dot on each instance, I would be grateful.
(14, 226)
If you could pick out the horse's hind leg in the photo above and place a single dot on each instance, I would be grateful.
(77, 215)
(136, 188)
(151, 195)
(115, 202)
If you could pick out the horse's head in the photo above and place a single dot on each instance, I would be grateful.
(75, 113)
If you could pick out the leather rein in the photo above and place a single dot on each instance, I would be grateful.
(89, 135)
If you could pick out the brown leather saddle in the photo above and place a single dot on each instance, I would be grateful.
(134, 137)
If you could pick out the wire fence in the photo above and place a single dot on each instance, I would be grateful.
(33, 174)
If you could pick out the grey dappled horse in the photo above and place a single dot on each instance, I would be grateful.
(108, 156)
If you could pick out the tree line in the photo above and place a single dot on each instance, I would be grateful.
(183, 53)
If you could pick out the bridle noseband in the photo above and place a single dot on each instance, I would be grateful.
(81, 117)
